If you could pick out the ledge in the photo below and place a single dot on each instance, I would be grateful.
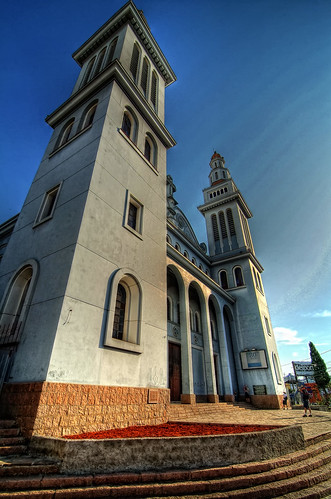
(157, 454)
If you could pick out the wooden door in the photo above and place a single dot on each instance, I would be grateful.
(175, 371)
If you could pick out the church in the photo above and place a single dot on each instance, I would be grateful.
(111, 309)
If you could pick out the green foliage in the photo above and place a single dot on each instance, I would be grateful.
(321, 375)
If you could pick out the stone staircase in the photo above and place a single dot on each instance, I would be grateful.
(303, 474)
(191, 412)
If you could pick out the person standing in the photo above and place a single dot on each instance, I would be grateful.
(306, 404)
(285, 401)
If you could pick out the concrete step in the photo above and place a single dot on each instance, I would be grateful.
(273, 478)
(6, 441)
(7, 423)
(12, 450)
(9, 432)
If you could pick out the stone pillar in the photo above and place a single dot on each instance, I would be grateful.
(188, 396)
(212, 395)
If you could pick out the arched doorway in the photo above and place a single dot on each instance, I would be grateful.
(197, 340)
(174, 337)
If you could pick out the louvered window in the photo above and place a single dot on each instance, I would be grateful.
(223, 226)
(224, 279)
(111, 51)
(88, 72)
(215, 228)
(144, 76)
(100, 60)
(154, 89)
(134, 61)
(230, 222)
(119, 314)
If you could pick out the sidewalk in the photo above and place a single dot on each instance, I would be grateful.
(319, 423)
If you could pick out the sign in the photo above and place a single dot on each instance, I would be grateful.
(303, 368)
(253, 359)
(260, 389)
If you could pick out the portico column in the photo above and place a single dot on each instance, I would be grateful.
(188, 396)
(208, 353)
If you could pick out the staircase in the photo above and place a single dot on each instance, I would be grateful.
(194, 412)
(303, 474)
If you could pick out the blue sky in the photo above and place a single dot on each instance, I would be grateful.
(253, 83)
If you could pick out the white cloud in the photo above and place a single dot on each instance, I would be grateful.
(287, 336)
(314, 315)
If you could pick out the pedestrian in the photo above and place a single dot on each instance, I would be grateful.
(246, 393)
(285, 401)
(306, 404)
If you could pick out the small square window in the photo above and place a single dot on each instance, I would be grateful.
(133, 215)
(47, 207)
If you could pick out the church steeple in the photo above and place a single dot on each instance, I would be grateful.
(225, 211)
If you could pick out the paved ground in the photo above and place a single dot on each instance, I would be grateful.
(319, 423)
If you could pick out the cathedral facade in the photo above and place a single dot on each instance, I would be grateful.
(111, 309)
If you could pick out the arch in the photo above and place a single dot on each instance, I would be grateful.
(111, 52)
(130, 124)
(134, 64)
(17, 299)
(177, 247)
(100, 61)
(150, 149)
(88, 115)
(224, 279)
(64, 135)
(229, 336)
(277, 370)
(145, 76)
(124, 316)
(88, 72)
(238, 276)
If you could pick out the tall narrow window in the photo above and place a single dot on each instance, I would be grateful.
(65, 134)
(148, 150)
(119, 315)
(238, 276)
(48, 205)
(267, 326)
(134, 61)
(224, 279)
(223, 226)
(169, 309)
(111, 52)
(230, 222)
(88, 116)
(154, 90)
(88, 72)
(215, 228)
(144, 76)
(100, 61)
(126, 125)
(134, 215)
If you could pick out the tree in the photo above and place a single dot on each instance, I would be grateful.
(321, 375)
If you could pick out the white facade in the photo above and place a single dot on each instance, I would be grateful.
(83, 279)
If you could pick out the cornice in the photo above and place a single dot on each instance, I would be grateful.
(217, 260)
(128, 14)
(113, 72)
(199, 274)
(236, 196)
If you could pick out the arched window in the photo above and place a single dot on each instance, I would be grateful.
(100, 61)
(126, 322)
(15, 305)
(144, 76)
(277, 368)
(224, 279)
(88, 72)
(150, 150)
(88, 115)
(154, 89)
(169, 239)
(111, 52)
(135, 61)
(186, 254)
(238, 276)
(130, 125)
(213, 330)
(177, 247)
(65, 133)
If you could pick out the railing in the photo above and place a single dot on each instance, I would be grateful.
(10, 334)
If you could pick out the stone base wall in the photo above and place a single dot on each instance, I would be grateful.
(57, 409)
(267, 401)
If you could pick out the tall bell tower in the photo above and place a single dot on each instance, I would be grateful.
(236, 269)
(84, 273)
